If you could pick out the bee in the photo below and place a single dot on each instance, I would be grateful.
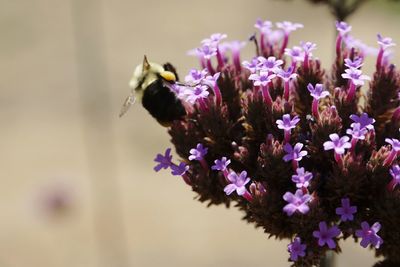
(151, 83)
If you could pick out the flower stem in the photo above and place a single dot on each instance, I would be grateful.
(339, 160)
(266, 95)
(284, 44)
(351, 93)
(315, 111)
(248, 196)
(338, 46)
(286, 91)
(379, 59)
(204, 165)
(287, 136)
(389, 160)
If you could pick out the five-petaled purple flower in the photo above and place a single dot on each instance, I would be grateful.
(318, 91)
(363, 120)
(286, 123)
(326, 235)
(346, 211)
(270, 64)
(288, 26)
(221, 165)
(297, 202)
(198, 92)
(164, 161)
(355, 63)
(198, 153)
(296, 249)
(196, 76)
(356, 76)
(294, 153)
(369, 235)
(343, 28)
(287, 75)
(339, 144)
(252, 66)
(180, 169)
(296, 53)
(385, 42)
(302, 178)
(238, 183)
(357, 132)
(261, 79)
(395, 172)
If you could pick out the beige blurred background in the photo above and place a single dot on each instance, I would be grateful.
(65, 67)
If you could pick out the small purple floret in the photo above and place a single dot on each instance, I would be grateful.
(385, 42)
(339, 144)
(286, 123)
(198, 153)
(363, 120)
(288, 26)
(297, 202)
(302, 178)
(164, 161)
(294, 153)
(198, 92)
(355, 64)
(296, 249)
(180, 169)
(395, 173)
(356, 76)
(326, 235)
(238, 183)
(369, 235)
(343, 28)
(357, 132)
(318, 91)
(346, 211)
(221, 165)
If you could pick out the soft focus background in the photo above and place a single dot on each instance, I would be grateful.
(77, 186)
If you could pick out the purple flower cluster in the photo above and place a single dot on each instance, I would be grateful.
(322, 152)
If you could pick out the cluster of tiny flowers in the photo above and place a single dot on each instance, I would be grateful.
(307, 154)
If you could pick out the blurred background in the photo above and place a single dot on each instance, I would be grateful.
(77, 183)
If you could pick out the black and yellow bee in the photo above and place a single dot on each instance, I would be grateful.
(151, 83)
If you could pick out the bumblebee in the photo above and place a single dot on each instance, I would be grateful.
(151, 83)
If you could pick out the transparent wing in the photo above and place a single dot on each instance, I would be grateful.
(129, 101)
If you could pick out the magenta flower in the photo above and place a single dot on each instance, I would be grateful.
(296, 53)
(343, 28)
(326, 235)
(364, 121)
(287, 125)
(355, 76)
(318, 91)
(198, 92)
(221, 165)
(261, 79)
(294, 153)
(296, 202)
(369, 235)
(308, 47)
(296, 249)
(302, 178)
(355, 64)
(207, 51)
(346, 211)
(164, 161)
(238, 183)
(395, 172)
(339, 144)
(288, 26)
(287, 75)
(198, 153)
(180, 169)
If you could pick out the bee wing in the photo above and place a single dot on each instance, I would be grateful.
(129, 101)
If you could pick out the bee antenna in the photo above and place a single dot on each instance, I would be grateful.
(253, 38)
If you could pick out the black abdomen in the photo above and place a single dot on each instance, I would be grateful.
(162, 103)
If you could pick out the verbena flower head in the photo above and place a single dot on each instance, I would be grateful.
(278, 131)
(369, 235)
(238, 183)
(346, 211)
(214, 39)
(164, 161)
(294, 153)
(296, 249)
(318, 91)
(296, 202)
(326, 235)
(288, 26)
(302, 178)
(339, 144)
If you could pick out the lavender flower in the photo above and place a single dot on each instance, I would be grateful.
(198, 153)
(385, 42)
(164, 161)
(287, 125)
(355, 76)
(395, 173)
(198, 93)
(238, 183)
(196, 76)
(252, 66)
(342, 27)
(180, 169)
(263, 26)
(326, 235)
(297, 202)
(355, 64)
(296, 53)
(261, 79)
(339, 144)
(317, 93)
(295, 153)
(288, 26)
(369, 235)
(346, 211)
(302, 178)
(270, 65)
(214, 39)
(221, 165)
(307, 47)
(286, 76)
(208, 51)
(296, 249)
(364, 121)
